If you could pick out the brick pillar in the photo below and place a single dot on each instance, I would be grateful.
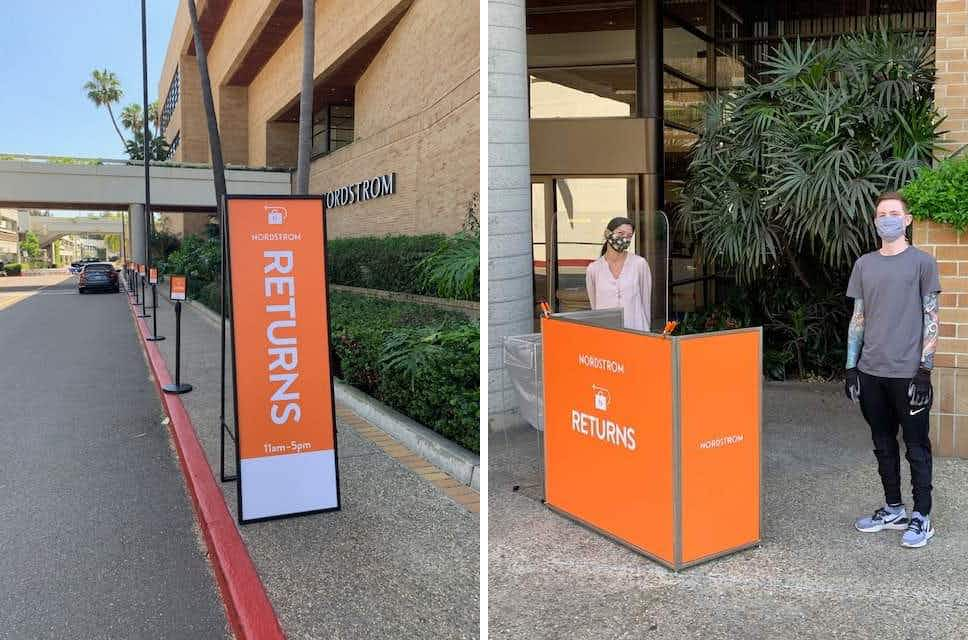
(949, 413)
(951, 56)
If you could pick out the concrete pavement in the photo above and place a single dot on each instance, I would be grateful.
(813, 577)
(97, 536)
(400, 560)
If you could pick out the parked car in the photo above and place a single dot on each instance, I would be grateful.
(78, 265)
(98, 275)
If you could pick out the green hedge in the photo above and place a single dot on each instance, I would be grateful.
(13, 269)
(421, 361)
(940, 193)
(389, 263)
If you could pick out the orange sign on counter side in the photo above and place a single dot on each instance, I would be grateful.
(179, 287)
(720, 433)
(608, 445)
(285, 415)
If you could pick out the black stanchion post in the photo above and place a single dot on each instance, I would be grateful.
(177, 387)
(154, 337)
(144, 313)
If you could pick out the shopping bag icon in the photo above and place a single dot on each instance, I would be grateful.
(275, 215)
(602, 398)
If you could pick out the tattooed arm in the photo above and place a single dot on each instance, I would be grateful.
(930, 340)
(855, 334)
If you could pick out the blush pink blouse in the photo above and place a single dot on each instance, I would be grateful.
(632, 290)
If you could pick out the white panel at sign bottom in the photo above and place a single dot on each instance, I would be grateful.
(290, 483)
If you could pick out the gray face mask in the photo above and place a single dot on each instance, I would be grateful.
(890, 227)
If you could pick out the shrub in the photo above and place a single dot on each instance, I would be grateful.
(390, 263)
(454, 270)
(786, 170)
(13, 269)
(422, 361)
(940, 193)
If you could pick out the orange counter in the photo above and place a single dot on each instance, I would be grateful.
(655, 441)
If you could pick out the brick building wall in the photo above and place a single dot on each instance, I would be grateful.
(951, 56)
(417, 105)
(949, 414)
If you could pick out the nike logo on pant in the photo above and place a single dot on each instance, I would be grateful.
(913, 413)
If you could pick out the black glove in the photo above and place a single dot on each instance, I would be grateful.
(852, 385)
(920, 392)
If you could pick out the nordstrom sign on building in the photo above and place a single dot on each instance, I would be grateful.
(362, 191)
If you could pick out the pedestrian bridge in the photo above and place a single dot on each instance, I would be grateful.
(50, 228)
(45, 182)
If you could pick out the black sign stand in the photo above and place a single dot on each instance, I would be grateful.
(224, 428)
(154, 337)
(177, 387)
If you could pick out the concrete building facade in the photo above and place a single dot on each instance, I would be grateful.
(396, 95)
(9, 236)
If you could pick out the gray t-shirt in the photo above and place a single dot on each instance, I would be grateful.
(892, 288)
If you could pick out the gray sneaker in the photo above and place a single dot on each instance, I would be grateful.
(919, 531)
(883, 518)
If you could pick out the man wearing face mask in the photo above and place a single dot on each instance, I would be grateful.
(890, 353)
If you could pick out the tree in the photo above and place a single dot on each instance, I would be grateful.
(306, 97)
(214, 140)
(104, 89)
(131, 117)
(30, 245)
(160, 149)
(786, 170)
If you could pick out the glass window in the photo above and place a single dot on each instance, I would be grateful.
(683, 101)
(583, 207)
(583, 92)
(332, 128)
(692, 12)
(539, 243)
(684, 52)
(580, 33)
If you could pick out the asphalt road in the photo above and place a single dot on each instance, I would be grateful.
(97, 535)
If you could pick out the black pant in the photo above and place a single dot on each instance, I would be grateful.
(885, 405)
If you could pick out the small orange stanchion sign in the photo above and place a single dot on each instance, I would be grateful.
(178, 287)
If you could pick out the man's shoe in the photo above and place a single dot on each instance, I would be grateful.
(919, 531)
(883, 518)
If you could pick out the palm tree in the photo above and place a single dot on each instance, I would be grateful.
(306, 98)
(214, 141)
(103, 89)
(131, 117)
(218, 170)
(154, 117)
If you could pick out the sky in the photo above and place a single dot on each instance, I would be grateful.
(49, 50)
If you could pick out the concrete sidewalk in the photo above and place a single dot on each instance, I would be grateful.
(400, 560)
(813, 577)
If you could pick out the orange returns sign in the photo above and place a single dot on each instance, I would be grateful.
(285, 420)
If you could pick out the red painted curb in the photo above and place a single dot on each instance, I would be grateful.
(247, 606)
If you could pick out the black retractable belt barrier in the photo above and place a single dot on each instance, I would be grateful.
(154, 337)
(177, 387)
(144, 313)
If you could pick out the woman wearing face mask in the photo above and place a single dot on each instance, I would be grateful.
(619, 278)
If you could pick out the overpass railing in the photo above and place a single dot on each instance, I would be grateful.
(26, 157)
